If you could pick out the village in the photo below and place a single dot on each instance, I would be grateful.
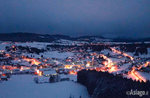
(61, 61)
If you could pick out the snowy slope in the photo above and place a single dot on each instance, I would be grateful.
(3, 45)
(52, 54)
(39, 45)
(23, 86)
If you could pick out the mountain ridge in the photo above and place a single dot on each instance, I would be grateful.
(25, 36)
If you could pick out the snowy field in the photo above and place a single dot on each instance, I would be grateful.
(3, 45)
(39, 45)
(51, 54)
(23, 86)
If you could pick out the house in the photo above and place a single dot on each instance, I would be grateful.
(49, 76)
(54, 78)
(48, 73)
(3, 77)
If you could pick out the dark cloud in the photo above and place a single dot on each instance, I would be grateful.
(77, 17)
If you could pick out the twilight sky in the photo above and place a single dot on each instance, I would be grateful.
(112, 18)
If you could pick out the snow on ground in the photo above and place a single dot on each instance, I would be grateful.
(145, 55)
(3, 45)
(124, 66)
(39, 45)
(56, 54)
(71, 77)
(23, 86)
(145, 75)
(65, 42)
(69, 42)
(116, 59)
(105, 51)
(52, 54)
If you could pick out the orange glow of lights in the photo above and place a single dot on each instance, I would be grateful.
(88, 64)
(3, 75)
(8, 67)
(108, 62)
(38, 72)
(136, 75)
(116, 51)
(146, 64)
(4, 67)
(7, 55)
(119, 52)
(72, 72)
(100, 69)
(108, 65)
(113, 69)
(140, 77)
(68, 66)
(13, 46)
(126, 55)
(21, 69)
(32, 60)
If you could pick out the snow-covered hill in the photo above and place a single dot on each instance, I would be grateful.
(23, 86)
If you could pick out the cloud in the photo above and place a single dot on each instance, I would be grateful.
(77, 17)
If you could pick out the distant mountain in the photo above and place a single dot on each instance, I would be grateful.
(23, 37)
(93, 38)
